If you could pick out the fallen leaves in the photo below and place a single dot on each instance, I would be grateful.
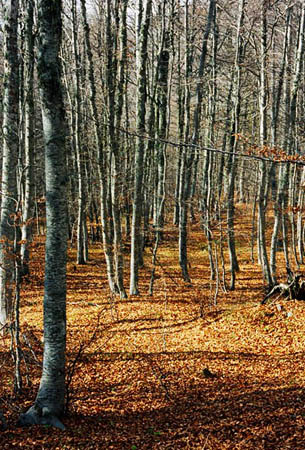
(143, 381)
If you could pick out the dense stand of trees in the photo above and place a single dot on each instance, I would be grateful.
(149, 113)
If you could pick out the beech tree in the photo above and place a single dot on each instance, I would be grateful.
(49, 404)
(263, 137)
(142, 27)
(9, 157)
(158, 90)
(29, 115)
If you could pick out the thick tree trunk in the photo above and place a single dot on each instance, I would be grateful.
(50, 400)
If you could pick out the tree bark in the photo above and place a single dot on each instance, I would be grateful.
(234, 267)
(262, 201)
(81, 216)
(115, 106)
(188, 155)
(28, 201)
(143, 20)
(106, 227)
(50, 400)
(9, 157)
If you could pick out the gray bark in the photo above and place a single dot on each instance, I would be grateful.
(106, 228)
(9, 157)
(50, 400)
(180, 131)
(115, 115)
(207, 182)
(143, 20)
(188, 155)
(288, 139)
(81, 216)
(183, 186)
(162, 98)
(263, 136)
(234, 145)
(277, 94)
(28, 203)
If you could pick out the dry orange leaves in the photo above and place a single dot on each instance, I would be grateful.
(141, 382)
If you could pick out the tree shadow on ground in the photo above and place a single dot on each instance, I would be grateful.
(158, 404)
(261, 419)
(231, 411)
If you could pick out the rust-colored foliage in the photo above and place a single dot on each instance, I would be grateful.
(143, 381)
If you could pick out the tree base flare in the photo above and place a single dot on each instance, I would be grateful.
(37, 416)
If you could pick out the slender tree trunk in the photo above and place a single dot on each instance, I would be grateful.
(102, 167)
(143, 20)
(186, 166)
(277, 95)
(81, 216)
(184, 187)
(115, 116)
(207, 182)
(290, 100)
(9, 157)
(162, 93)
(180, 132)
(233, 146)
(28, 203)
(262, 201)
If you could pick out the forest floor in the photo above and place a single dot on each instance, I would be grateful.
(142, 380)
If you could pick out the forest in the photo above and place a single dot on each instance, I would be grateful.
(152, 235)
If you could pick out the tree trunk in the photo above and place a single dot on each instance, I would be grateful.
(106, 227)
(277, 95)
(50, 400)
(234, 144)
(115, 115)
(9, 157)
(143, 20)
(262, 201)
(81, 216)
(28, 203)
(187, 162)
(162, 94)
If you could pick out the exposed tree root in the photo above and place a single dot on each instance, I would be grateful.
(294, 289)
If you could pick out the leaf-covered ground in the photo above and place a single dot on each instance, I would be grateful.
(142, 378)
